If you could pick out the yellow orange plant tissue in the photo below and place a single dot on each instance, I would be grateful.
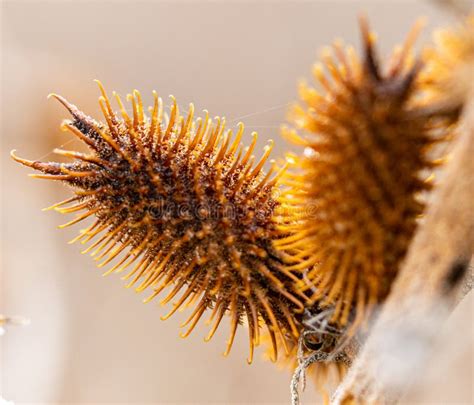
(353, 200)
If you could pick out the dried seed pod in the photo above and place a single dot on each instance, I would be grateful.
(352, 203)
(185, 204)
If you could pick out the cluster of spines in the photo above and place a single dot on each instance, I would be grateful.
(184, 203)
(352, 202)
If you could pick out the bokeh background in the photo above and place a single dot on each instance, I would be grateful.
(91, 340)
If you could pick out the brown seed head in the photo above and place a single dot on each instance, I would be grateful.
(352, 203)
(183, 205)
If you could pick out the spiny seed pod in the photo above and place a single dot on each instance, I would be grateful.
(352, 203)
(184, 202)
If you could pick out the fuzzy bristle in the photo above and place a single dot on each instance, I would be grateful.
(352, 201)
(450, 65)
(182, 204)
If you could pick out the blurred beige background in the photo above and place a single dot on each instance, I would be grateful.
(90, 340)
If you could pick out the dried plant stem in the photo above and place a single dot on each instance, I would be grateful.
(428, 287)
